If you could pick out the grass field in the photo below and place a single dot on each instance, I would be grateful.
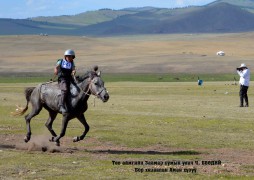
(156, 111)
(133, 77)
(143, 121)
(184, 53)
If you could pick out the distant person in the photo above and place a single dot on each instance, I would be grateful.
(244, 74)
(65, 69)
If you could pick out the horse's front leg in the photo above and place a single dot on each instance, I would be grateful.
(63, 130)
(82, 119)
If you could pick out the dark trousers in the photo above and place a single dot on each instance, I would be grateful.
(243, 95)
(64, 86)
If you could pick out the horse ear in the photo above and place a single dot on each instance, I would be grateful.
(95, 68)
(99, 73)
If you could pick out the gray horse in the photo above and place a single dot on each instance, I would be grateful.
(47, 95)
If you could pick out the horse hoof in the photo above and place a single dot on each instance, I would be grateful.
(51, 139)
(57, 143)
(44, 148)
(76, 139)
(26, 139)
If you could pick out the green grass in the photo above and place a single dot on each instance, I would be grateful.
(135, 77)
(167, 77)
(182, 118)
(24, 78)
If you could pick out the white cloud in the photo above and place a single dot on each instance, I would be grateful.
(180, 3)
(40, 3)
(40, 7)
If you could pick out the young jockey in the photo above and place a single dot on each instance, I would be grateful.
(65, 69)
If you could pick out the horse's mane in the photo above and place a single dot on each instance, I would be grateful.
(88, 74)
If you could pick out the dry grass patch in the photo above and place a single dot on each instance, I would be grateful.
(144, 54)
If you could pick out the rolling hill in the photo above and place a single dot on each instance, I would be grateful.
(219, 16)
(244, 4)
(86, 18)
(216, 18)
(26, 27)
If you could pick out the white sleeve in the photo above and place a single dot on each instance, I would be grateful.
(245, 73)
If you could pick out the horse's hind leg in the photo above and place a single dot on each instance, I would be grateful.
(82, 119)
(35, 111)
(49, 123)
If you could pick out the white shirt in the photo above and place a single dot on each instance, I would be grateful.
(244, 77)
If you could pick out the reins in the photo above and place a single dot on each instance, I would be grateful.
(86, 93)
(95, 94)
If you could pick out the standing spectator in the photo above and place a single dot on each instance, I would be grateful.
(244, 74)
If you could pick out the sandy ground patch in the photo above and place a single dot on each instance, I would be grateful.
(209, 161)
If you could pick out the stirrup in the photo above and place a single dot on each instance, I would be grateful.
(62, 110)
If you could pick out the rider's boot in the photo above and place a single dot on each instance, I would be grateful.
(62, 108)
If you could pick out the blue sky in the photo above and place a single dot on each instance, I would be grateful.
(21, 9)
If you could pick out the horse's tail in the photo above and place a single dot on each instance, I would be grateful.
(20, 110)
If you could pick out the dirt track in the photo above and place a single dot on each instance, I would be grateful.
(231, 160)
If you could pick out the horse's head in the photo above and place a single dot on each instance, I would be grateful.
(96, 85)
(97, 88)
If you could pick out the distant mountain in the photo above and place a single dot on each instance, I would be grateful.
(26, 26)
(86, 18)
(244, 4)
(104, 15)
(219, 17)
(213, 18)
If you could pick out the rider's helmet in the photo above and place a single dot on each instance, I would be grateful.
(69, 52)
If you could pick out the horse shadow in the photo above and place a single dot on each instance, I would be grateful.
(5, 146)
(109, 151)
(119, 152)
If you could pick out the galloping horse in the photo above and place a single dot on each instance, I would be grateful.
(47, 95)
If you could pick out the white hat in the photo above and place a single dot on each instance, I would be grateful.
(69, 52)
(242, 65)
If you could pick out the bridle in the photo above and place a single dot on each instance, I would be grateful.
(92, 92)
